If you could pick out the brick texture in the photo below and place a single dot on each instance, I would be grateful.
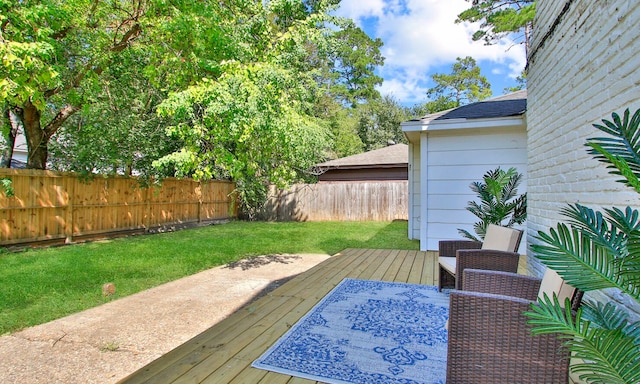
(582, 67)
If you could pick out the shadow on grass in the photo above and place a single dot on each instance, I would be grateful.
(259, 261)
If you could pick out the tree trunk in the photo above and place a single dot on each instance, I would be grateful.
(37, 140)
(7, 154)
(37, 136)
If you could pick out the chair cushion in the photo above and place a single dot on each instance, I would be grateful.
(448, 263)
(501, 239)
(553, 283)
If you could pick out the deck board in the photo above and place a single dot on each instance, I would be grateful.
(224, 352)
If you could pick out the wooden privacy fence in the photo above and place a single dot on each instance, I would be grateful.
(53, 206)
(339, 201)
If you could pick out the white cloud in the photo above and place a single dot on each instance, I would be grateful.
(358, 9)
(421, 35)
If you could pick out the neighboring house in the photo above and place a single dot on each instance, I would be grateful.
(384, 164)
(451, 149)
(583, 65)
(20, 152)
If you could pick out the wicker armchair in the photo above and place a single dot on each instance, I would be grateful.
(497, 253)
(489, 339)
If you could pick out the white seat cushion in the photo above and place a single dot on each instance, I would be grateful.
(501, 239)
(448, 263)
(553, 283)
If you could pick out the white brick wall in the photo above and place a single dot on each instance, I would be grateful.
(585, 70)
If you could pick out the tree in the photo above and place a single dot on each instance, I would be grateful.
(355, 58)
(265, 119)
(120, 131)
(249, 126)
(521, 83)
(499, 201)
(598, 250)
(379, 123)
(499, 18)
(10, 127)
(56, 53)
(462, 86)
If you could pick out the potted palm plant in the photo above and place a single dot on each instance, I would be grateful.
(597, 250)
(499, 202)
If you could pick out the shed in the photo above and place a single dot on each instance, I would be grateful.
(451, 149)
(385, 164)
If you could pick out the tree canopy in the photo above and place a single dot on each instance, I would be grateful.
(499, 18)
(465, 84)
(245, 90)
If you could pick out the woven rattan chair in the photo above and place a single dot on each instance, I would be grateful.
(498, 252)
(489, 338)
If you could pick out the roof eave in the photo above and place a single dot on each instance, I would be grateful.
(413, 128)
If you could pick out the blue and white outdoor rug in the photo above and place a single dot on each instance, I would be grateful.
(367, 332)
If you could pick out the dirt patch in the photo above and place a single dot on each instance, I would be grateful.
(107, 343)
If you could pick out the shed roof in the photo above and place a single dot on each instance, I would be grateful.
(503, 111)
(392, 155)
(512, 104)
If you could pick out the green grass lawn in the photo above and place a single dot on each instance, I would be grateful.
(45, 284)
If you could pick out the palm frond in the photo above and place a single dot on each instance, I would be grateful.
(620, 167)
(610, 355)
(625, 142)
(581, 262)
(605, 316)
(476, 187)
(480, 228)
(475, 208)
(519, 214)
(467, 235)
(594, 225)
(626, 221)
(548, 316)
(629, 265)
(510, 189)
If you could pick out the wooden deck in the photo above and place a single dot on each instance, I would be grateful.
(224, 353)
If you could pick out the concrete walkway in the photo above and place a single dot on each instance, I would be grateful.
(106, 343)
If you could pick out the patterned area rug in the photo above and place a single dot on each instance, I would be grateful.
(367, 332)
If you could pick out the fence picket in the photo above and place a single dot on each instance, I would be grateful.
(339, 201)
(57, 206)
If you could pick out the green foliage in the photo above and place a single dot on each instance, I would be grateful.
(343, 125)
(596, 251)
(500, 17)
(610, 345)
(91, 74)
(499, 201)
(355, 59)
(521, 83)
(462, 86)
(6, 187)
(621, 151)
(379, 123)
(250, 126)
(120, 131)
(267, 118)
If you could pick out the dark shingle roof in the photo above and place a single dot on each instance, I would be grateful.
(513, 104)
(393, 154)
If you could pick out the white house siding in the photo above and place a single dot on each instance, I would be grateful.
(455, 159)
(579, 74)
(414, 191)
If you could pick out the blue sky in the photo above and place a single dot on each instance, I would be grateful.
(421, 38)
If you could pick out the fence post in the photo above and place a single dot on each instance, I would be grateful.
(199, 194)
(71, 191)
(147, 207)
